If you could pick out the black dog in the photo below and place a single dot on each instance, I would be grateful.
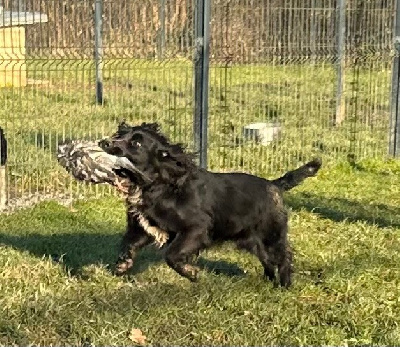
(195, 208)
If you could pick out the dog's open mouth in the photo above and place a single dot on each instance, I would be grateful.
(122, 161)
(125, 163)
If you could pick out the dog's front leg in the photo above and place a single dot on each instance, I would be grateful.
(183, 248)
(134, 239)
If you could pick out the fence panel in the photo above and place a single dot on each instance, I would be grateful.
(276, 63)
(273, 62)
(147, 76)
(368, 76)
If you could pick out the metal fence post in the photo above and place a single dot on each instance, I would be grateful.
(341, 60)
(3, 169)
(394, 135)
(98, 32)
(201, 71)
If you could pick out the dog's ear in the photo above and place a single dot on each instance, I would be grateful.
(177, 148)
(123, 125)
(151, 126)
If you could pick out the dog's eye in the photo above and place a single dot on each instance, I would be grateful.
(136, 143)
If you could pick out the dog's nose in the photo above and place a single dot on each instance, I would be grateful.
(105, 143)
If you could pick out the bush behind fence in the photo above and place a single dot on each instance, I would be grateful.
(241, 30)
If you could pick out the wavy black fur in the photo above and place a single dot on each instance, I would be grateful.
(198, 208)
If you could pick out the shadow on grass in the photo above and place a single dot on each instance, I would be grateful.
(97, 243)
(355, 265)
(73, 250)
(77, 250)
(340, 209)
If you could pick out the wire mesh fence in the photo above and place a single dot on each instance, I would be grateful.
(274, 67)
(278, 63)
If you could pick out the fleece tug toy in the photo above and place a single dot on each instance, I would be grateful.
(87, 162)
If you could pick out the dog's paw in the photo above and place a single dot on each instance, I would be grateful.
(123, 267)
(191, 272)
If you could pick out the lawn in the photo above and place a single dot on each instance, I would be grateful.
(300, 97)
(56, 287)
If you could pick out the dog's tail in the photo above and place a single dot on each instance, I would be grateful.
(293, 178)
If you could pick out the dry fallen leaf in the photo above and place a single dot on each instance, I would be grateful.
(137, 336)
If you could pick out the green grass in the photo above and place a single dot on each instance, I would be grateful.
(345, 229)
(300, 97)
(344, 224)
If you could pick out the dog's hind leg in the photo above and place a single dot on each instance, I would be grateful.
(285, 267)
(134, 239)
(256, 247)
(181, 251)
(267, 263)
(280, 255)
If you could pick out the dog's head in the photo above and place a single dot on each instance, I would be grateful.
(149, 151)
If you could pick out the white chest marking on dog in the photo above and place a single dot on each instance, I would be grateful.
(134, 200)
